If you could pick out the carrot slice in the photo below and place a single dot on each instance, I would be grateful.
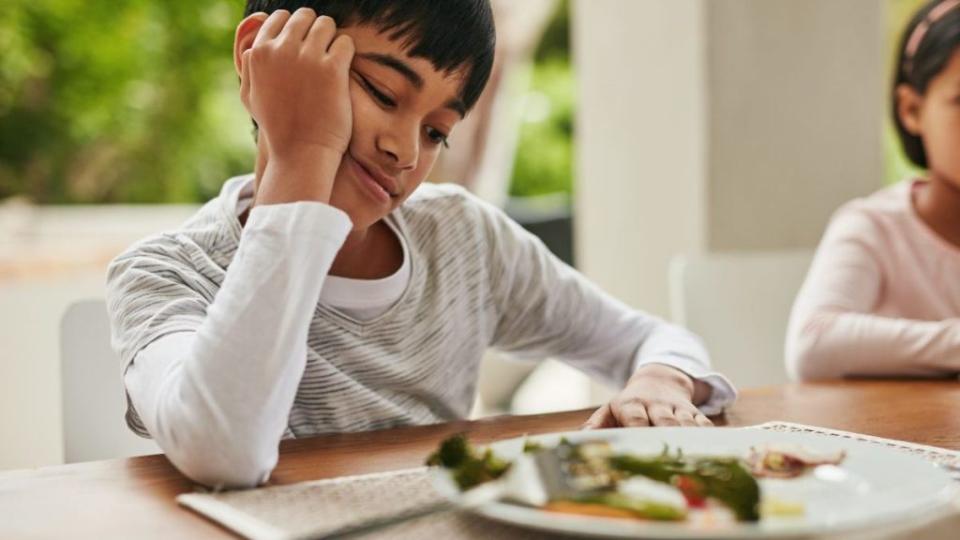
(587, 509)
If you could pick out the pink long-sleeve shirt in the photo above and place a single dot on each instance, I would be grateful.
(882, 296)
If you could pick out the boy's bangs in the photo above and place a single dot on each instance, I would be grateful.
(454, 35)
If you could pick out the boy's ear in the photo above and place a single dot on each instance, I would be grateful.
(909, 104)
(246, 34)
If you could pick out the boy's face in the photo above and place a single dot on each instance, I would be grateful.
(403, 111)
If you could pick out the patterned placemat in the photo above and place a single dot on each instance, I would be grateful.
(300, 510)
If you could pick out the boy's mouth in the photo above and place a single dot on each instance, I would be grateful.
(376, 182)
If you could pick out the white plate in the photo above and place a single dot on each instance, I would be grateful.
(874, 486)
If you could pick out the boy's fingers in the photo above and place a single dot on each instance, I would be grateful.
(321, 33)
(601, 418)
(632, 414)
(298, 25)
(272, 27)
(702, 420)
(685, 418)
(662, 415)
(245, 77)
(342, 48)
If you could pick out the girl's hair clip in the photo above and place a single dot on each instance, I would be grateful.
(920, 32)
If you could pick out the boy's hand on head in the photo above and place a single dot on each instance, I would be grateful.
(295, 83)
(656, 395)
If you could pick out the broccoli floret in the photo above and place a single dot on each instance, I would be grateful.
(467, 467)
(452, 452)
(530, 447)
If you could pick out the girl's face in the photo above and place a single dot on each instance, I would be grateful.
(935, 117)
(403, 111)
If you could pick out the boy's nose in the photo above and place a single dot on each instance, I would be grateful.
(403, 151)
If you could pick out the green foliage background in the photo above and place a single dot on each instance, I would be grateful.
(106, 101)
(119, 101)
(136, 101)
(896, 165)
(544, 158)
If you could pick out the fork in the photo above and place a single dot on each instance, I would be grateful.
(532, 479)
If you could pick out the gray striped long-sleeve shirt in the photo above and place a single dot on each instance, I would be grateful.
(240, 353)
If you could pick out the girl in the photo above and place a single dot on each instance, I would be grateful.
(882, 297)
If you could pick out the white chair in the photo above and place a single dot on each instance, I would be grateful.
(739, 304)
(511, 386)
(92, 389)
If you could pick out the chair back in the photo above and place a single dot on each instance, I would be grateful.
(94, 402)
(740, 305)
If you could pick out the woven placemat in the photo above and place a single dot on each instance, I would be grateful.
(299, 510)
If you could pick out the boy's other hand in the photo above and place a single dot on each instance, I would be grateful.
(656, 395)
(295, 83)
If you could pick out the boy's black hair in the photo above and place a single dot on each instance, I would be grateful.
(936, 49)
(452, 34)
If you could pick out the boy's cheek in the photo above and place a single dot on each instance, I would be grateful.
(362, 111)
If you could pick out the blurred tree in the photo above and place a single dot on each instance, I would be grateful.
(132, 101)
(896, 165)
(544, 158)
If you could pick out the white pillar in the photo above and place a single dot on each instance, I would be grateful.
(640, 142)
(719, 125)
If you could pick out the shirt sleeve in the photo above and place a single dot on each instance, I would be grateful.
(546, 308)
(832, 331)
(213, 380)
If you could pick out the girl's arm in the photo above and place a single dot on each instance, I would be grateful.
(216, 393)
(832, 332)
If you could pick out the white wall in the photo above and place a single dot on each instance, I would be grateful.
(719, 125)
(50, 257)
(30, 414)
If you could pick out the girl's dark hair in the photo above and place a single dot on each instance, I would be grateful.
(452, 34)
(939, 43)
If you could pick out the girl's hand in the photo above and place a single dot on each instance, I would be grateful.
(295, 83)
(656, 395)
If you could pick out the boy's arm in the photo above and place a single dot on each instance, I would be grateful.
(217, 397)
(547, 308)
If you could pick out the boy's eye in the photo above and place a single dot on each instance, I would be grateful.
(437, 137)
(384, 99)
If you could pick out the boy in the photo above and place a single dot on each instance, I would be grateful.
(225, 346)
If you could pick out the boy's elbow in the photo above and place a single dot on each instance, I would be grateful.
(217, 461)
(225, 470)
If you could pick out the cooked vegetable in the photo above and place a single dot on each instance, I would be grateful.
(724, 479)
(467, 467)
(588, 509)
(531, 446)
(692, 488)
(598, 479)
(452, 452)
(643, 509)
(728, 481)
(772, 507)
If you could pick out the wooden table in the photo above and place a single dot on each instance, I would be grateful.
(134, 498)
